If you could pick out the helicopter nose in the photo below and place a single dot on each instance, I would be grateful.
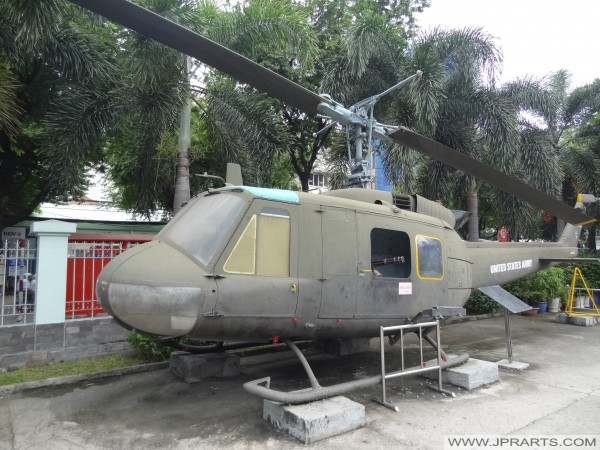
(152, 288)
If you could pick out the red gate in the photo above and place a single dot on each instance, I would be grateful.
(88, 254)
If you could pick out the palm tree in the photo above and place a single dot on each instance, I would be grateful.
(581, 154)
(454, 102)
(237, 123)
(245, 124)
(56, 83)
(552, 110)
(152, 92)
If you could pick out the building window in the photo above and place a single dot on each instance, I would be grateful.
(317, 180)
(390, 253)
(429, 258)
(264, 246)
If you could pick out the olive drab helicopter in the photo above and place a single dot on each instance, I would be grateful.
(248, 264)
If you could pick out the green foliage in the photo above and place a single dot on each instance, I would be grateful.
(57, 80)
(479, 303)
(590, 271)
(66, 368)
(149, 348)
(540, 286)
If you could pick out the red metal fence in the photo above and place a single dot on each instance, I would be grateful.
(87, 257)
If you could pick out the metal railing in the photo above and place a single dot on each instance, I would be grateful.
(17, 281)
(423, 365)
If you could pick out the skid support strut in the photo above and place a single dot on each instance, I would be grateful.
(261, 387)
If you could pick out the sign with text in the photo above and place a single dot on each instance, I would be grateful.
(14, 233)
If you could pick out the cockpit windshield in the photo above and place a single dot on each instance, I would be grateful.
(201, 227)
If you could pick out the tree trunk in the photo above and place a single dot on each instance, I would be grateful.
(591, 238)
(473, 208)
(182, 181)
(560, 223)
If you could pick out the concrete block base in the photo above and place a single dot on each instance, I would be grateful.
(318, 420)
(193, 368)
(343, 347)
(515, 365)
(470, 375)
(582, 321)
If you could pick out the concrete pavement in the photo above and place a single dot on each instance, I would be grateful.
(558, 394)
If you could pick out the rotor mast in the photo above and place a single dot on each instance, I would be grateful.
(361, 127)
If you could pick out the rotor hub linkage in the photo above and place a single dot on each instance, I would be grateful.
(360, 124)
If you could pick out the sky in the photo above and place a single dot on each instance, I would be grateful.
(537, 36)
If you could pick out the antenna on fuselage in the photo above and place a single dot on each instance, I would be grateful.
(233, 176)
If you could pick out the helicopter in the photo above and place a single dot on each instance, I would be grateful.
(243, 263)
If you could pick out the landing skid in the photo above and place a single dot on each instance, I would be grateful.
(262, 387)
(210, 347)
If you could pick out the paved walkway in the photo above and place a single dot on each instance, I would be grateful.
(558, 394)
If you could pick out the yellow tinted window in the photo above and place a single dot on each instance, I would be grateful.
(273, 255)
(243, 255)
(429, 258)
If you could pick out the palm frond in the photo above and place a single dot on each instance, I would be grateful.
(540, 162)
(366, 39)
(274, 27)
(400, 168)
(243, 128)
(465, 53)
(528, 94)
(583, 166)
(10, 111)
(33, 22)
(73, 128)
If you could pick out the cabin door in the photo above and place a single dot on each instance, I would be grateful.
(258, 268)
(385, 282)
(339, 279)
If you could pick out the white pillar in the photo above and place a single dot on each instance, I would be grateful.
(51, 289)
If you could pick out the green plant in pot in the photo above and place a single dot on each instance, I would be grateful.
(555, 278)
(538, 288)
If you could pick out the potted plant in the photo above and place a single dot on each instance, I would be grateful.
(555, 279)
(523, 289)
(536, 289)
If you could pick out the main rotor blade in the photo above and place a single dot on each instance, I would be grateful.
(192, 44)
(247, 71)
(502, 181)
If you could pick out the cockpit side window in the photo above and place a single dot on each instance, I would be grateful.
(242, 258)
(264, 246)
(204, 224)
(429, 258)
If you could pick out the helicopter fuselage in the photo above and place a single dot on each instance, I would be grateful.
(250, 263)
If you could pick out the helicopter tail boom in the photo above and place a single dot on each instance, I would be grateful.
(503, 262)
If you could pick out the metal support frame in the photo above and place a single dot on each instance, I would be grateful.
(262, 387)
(571, 310)
(508, 335)
(423, 330)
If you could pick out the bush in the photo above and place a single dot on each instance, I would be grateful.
(149, 348)
(479, 303)
(590, 271)
(540, 286)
